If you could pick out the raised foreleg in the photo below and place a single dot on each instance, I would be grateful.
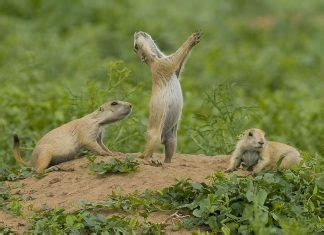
(179, 57)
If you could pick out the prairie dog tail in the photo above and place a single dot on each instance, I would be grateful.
(17, 151)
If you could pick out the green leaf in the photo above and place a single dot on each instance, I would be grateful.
(250, 192)
(261, 196)
(114, 165)
(197, 213)
(197, 186)
(70, 220)
(269, 178)
(315, 190)
(226, 230)
(274, 216)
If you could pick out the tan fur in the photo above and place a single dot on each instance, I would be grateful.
(166, 100)
(65, 142)
(269, 152)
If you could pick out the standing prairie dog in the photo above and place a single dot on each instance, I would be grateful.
(166, 100)
(63, 143)
(255, 150)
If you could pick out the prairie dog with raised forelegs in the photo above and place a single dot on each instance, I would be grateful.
(256, 152)
(63, 143)
(166, 100)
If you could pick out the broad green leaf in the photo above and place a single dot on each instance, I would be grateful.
(70, 220)
(250, 192)
(261, 196)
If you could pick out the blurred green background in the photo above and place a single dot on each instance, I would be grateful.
(259, 64)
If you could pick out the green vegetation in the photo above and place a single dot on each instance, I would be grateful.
(259, 64)
(6, 230)
(245, 205)
(114, 165)
(4, 196)
(14, 173)
(9, 202)
(59, 61)
(83, 222)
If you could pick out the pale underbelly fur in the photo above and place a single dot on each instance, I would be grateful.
(166, 106)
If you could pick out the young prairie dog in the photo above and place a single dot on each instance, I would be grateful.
(63, 143)
(166, 100)
(256, 152)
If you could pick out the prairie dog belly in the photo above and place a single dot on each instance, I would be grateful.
(250, 159)
(166, 105)
(61, 141)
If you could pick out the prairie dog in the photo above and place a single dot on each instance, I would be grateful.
(166, 101)
(63, 143)
(255, 150)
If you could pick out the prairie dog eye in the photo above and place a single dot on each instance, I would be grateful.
(250, 134)
(113, 103)
(136, 47)
(101, 108)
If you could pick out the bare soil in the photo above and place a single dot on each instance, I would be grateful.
(65, 189)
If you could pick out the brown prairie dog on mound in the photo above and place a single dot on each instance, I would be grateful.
(63, 143)
(166, 100)
(256, 151)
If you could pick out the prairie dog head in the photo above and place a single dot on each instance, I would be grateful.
(253, 139)
(112, 111)
(145, 47)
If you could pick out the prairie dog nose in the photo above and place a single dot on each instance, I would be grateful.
(261, 142)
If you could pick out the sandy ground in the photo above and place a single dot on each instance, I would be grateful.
(65, 189)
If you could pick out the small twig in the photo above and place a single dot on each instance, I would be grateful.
(175, 217)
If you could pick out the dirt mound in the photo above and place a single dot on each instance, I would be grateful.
(65, 189)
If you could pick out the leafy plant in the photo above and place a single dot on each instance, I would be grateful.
(82, 221)
(13, 206)
(248, 49)
(223, 123)
(4, 195)
(114, 165)
(6, 230)
(10, 202)
(68, 56)
(15, 173)
(234, 204)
